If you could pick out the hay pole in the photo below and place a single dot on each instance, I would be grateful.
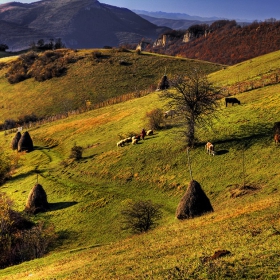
(243, 165)
(189, 163)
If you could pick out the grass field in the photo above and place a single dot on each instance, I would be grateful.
(89, 79)
(86, 196)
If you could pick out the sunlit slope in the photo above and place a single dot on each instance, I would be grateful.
(249, 70)
(241, 181)
(96, 76)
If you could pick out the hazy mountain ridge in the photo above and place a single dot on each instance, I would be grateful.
(175, 16)
(177, 24)
(79, 23)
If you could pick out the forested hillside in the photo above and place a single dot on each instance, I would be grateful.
(226, 42)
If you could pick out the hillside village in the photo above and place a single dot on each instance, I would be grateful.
(91, 142)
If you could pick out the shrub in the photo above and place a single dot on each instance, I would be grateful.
(96, 54)
(155, 119)
(122, 49)
(76, 152)
(42, 67)
(27, 118)
(141, 216)
(9, 124)
(5, 167)
(20, 239)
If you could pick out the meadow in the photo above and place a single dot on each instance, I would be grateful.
(95, 76)
(86, 196)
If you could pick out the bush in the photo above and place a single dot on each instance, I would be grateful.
(5, 167)
(27, 118)
(9, 124)
(20, 239)
(96, 54)
(141, 216)
(76, 152)
(42, 67)
(155, 119)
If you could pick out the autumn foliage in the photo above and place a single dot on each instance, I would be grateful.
(226, 42)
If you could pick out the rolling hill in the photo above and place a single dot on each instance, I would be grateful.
(242, 183)
(96, 76)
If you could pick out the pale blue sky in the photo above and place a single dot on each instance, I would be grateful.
(231, 9)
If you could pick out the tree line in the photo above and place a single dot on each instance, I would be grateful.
(40, 45)
(225, 42)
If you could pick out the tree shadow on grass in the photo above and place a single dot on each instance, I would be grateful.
(64, 236)
(87, 157)
(245, 137)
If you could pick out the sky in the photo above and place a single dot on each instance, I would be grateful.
(230, 9)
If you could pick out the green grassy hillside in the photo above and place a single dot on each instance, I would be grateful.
(107, 74)
(249, 70)
(87, 195)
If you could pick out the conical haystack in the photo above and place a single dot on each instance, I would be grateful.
(25, 143)
(37, 200)
(194, 202)
(163, 84)
(15, 141)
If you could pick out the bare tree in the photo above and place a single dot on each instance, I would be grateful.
(194, 97)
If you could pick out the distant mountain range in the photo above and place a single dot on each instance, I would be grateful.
(176, 24)
(179, 21)
(79, 24)
(175, 16)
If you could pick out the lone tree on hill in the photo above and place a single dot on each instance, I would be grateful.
(3, 47)
(194, 98)
(141, 216)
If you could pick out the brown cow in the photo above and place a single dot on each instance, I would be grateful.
(209, 147)
(277, 139)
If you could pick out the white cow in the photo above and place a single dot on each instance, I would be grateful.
(169, 113)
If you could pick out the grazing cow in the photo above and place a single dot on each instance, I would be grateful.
(209, 147)
(143, 134)
(232, 100)
(277, 139)
(170, 113)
